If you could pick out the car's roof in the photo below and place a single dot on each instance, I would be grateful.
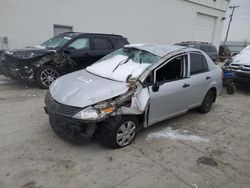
(157, 49)
(75, 34)
(195, 42)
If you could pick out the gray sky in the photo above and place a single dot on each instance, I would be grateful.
(240, 26)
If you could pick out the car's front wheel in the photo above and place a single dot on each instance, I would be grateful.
(207, 102)
(45, 76)
(117, 133)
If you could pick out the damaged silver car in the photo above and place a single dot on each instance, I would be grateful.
(130, 89)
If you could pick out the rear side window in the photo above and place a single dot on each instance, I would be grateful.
(101, 44)
(198, 64)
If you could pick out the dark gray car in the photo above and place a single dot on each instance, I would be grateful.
(206, 47)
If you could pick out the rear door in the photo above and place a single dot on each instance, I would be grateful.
(200, 77)
(101, 46)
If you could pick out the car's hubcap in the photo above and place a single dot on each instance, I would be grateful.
(125, 133)
(48, 76)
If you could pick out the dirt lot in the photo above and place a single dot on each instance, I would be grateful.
(209, 150)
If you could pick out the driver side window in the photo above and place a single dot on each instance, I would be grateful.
(173, 70)
(79, 44)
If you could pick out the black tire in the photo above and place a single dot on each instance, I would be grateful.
(231, 89)
(40, 73)
(75, 137)
(109, 131)
(207, 102)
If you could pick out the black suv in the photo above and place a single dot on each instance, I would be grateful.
(206, 47)
(59, 55)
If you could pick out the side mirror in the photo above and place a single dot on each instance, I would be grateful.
(234, 54)
(156, 87)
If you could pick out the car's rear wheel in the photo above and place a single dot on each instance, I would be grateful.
(117, 133)
(45, 76)
(231, 88)
(207, 102)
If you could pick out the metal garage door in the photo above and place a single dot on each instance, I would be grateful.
(58, 29)
(204, 28)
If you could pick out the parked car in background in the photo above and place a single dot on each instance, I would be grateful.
(240, 64)
(1, 51)
(224, 53)
(129, 89)
(59, 55)
(207, 47)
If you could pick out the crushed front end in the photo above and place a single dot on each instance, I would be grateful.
(16, 68)
(61, 121)
(79, 124)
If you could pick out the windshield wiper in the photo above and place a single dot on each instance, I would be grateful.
(124, 61)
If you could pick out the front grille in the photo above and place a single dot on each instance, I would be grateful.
(240, 67)
(58, 108)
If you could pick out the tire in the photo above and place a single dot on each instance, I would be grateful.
(75, 137)
(207, 102)
(231, 89)
(45, 76)
(116, 133)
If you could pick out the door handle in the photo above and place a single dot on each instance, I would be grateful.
(186, 85)
(208, 77)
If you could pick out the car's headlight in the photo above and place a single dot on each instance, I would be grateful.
(94, 113)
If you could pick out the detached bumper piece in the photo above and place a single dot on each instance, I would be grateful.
(61, 121)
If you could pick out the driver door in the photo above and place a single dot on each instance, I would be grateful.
(80, 52)
(171, 90)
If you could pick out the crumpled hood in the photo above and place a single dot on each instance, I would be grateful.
(241, 59)
(81, 89)
(27, 53)
(113, 70)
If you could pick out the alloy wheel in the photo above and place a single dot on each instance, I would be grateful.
(126, 133)
(48, 76)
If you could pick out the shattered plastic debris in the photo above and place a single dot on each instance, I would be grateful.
(176, 135)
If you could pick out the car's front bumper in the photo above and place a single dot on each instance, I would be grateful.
(61, 120)
(241, 75)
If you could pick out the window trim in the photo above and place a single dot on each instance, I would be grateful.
(186, 68)
(195, 52)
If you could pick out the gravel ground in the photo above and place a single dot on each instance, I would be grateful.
(32, 156)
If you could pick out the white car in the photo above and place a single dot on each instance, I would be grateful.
(129, 89)
(241, 64)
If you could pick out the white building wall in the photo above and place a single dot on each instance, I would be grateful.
(29, 22)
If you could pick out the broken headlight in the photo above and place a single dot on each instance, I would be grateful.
(96, 112)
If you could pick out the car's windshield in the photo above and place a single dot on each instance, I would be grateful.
(122, 63)
(136, 55)
(56, 42)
